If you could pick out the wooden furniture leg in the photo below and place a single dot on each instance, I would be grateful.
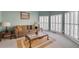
(29, 43)
(47, 37)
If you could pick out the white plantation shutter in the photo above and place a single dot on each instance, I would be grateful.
(56, 23)
(71, 24)
(76, 17)
(44, 22)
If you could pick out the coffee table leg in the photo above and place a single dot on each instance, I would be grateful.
(47, 37)
(30, 43)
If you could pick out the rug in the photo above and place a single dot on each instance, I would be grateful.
(38, 43)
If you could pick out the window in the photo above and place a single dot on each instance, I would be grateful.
(56, 23)
(53, 25)
(71, 24)
(67, 19)
(44, 22)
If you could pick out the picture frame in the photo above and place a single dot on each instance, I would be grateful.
(24, 15)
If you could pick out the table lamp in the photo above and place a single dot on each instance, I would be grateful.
(36, 27)
(6, 25)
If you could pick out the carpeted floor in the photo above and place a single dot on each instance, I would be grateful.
(38, 43)
(57, 41)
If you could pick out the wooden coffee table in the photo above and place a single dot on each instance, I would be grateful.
(33, 36)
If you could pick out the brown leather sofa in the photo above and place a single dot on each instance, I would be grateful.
(22, 30)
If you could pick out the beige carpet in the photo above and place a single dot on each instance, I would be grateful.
(38, 43)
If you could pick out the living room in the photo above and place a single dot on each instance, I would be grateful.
(52, 23)
(39, 29)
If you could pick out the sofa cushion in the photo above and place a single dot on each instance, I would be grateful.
(22, 30)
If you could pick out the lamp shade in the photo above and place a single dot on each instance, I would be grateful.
(6, 24)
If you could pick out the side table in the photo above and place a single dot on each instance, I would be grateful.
(6, 35)
(0, 36)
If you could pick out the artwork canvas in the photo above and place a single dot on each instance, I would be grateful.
(24, 15)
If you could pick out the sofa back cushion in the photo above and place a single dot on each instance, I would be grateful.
(24, 29)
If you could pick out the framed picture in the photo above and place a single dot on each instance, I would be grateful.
(24, 15)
